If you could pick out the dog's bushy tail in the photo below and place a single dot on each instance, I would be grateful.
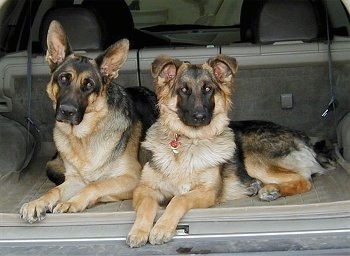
(324, 154)
(55, 169)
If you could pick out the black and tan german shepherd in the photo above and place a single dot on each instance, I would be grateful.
(98, 128)
(201, 158)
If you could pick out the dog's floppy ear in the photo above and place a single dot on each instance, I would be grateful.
(164, 69)
(58, 47)
(113, 59)
(224, 69)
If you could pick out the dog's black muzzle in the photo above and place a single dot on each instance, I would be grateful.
(69, 113)
(196, 118)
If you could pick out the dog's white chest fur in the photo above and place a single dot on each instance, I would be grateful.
(192, 154)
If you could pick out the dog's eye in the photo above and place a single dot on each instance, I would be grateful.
(185, 90)
(207, 89)
(64, 78)
(88, 84)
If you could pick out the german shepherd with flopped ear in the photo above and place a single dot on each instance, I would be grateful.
(201, 158)
(98, 128)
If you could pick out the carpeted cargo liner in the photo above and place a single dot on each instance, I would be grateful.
(17, 189)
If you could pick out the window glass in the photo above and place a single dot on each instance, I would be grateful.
(202, 12)
(196, 22)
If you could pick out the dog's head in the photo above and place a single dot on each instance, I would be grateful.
(194, 99)
(78, 81)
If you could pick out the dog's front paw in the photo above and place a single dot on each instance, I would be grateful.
(34, 211)
(67, 207)
(161, 234)
(137, 238)
(269, 192)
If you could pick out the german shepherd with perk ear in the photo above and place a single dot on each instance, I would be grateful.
(98, 128)
(200, 158)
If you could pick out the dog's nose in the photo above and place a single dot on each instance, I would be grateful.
(68, 110)
(69, 113)
(199, 116)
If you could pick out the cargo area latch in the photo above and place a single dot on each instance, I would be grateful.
(182, 230)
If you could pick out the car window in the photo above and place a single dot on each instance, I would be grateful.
(219, 22)
(200, 12)
(190, 22)
(151, 23)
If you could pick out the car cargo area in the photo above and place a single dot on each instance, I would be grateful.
(321, 215)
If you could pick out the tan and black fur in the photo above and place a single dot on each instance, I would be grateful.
(210, 159)
(282, 159)
(97, 131)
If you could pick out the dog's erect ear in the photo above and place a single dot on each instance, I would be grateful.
(113, 59)
(224, 69)
(164, 69)
(58, 47)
